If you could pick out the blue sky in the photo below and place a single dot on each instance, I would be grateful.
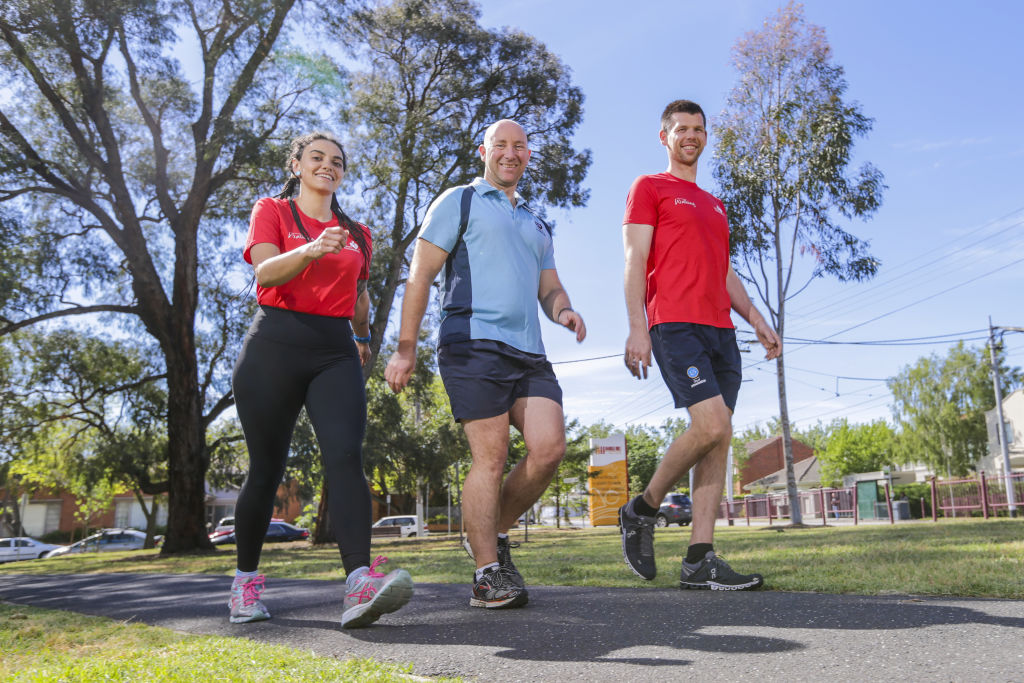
(944, 85)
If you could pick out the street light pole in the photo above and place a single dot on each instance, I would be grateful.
(1011, 495)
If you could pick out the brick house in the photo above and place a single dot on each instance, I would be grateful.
(766, 456)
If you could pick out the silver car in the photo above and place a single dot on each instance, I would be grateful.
(23, 548)
(105, 541)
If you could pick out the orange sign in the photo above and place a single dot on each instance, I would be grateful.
(608, 482)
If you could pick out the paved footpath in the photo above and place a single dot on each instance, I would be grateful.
(591, 634)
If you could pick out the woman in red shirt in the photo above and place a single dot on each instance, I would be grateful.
(306, 347)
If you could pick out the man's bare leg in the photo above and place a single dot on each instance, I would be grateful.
(542, 425)
(481, 492)
(709, 433)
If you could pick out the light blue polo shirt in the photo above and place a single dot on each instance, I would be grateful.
(489, 283)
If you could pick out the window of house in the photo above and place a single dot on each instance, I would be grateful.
(123, 513)
(51, 521)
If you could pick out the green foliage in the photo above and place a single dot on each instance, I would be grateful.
(785, 141)
(429, 80)
(856, 448)
(85, 415)
(940, 404)
(112, 157)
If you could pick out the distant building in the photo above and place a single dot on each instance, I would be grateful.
(766, 457)
(1013, 424)
(45, 510)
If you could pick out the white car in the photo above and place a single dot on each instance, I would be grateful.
(23, 548)
(407, 523)
(105, 541)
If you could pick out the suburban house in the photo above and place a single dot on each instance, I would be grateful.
(1013, 425)
(766, 458)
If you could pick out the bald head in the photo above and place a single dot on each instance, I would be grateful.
(506, 129)
(505, 153)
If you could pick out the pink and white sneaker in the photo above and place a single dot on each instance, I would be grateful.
(372, 594)
(245, 601)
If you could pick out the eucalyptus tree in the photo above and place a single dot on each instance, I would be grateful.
(133, 136)
(429, 80)
(785, 141)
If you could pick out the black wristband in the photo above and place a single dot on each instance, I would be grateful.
(564, 309)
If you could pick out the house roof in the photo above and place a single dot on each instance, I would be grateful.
(754, 446)
(806, 472)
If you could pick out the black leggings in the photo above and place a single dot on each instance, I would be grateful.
(288, 360)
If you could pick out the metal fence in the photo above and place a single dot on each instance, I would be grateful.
(985, 495)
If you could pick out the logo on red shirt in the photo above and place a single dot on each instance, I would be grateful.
(680, 200)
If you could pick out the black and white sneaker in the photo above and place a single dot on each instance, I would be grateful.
(505, 560)
(714, 573)
(637, 541)
(495, 589)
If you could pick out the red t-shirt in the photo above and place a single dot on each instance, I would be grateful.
(326, 286)
(689, 257)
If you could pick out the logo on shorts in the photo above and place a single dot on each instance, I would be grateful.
(693, 373)
(680, 200)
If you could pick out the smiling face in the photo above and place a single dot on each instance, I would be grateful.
(685, 137)
(505, 153)
(320, 167)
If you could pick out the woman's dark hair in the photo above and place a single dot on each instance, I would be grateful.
(299, 145)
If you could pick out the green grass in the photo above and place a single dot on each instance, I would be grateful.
(976, 558)
(48, 645)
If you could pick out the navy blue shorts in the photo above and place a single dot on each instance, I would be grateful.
(484, 378)
(698, 362)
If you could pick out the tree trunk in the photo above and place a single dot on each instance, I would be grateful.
(795, 514)
(186, 450)
(322, 529)
(150, 515)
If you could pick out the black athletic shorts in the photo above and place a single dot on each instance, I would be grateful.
(698, 362)
(484, 378)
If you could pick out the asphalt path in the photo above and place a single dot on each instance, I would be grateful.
(592, 634)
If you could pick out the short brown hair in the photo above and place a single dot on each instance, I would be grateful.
(681, 107)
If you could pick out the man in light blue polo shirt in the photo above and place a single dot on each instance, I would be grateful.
(498, 262)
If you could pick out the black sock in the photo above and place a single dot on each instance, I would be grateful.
(641, 507)
(696, 552)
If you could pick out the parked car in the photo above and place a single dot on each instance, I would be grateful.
(675, 509)
(277, 531)
(23, 548)
(406, 522)
(107, 540)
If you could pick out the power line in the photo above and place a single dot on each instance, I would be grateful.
(832, 301)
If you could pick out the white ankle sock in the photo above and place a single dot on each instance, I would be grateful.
(356, 573)
(505, 536)
(481, 570)
(242, 577)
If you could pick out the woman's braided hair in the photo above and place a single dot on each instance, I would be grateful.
(290, 189)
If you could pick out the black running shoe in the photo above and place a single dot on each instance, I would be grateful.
(505, 561)
(495, 589)
(638, 542)
(715, 574)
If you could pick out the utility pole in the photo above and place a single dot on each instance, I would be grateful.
(1011, 495)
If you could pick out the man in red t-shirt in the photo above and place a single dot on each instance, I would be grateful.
(680, 287)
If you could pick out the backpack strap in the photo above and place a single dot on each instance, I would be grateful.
(298, 221)
(467, 201)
